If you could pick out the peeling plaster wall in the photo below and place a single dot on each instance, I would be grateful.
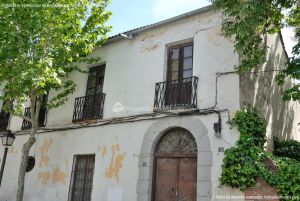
(119, 152)
(132, 69)
(134, 66)
(261, 91)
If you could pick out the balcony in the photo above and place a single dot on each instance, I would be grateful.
(88, 107)
(4, 119)
(176, 94)
(42, 117)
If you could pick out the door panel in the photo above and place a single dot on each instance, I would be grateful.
(166, 179)
(187, 182)
(176, 179)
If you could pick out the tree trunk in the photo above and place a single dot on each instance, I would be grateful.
(34, 110)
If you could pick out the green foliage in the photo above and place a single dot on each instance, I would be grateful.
(243, 163)
(249, 21)
(287, 148)
(239, 166)
(250, 124)
(41, 44)
(286, 180)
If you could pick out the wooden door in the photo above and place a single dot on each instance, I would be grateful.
(175, 167)
(166, 179)
(176, 179)
(187, 182)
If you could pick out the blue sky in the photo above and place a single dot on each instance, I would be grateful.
(130, 14)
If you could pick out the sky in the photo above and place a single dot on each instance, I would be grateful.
(131, 14)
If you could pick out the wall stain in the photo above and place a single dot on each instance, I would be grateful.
(117, 147)
(152, 35)
(104, 151)
(44, 152)
(44, 177)
(116, 163)
(55, 176)
(212, 37)
(58, 176)
(12, 150)
(148, 48)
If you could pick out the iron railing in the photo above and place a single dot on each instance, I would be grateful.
(42, 117)
(176, 94)
(88, 107)
(4, 119)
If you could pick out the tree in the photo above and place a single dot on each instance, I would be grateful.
(247, 21)
(40, 44)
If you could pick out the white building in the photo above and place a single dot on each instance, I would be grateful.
(152, 120)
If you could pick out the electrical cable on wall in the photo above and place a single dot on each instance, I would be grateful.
(155, 115)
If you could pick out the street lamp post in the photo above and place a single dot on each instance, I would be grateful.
(7, 140)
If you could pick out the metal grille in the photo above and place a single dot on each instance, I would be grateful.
(177, 141)
(89, 107)
(176, 94)
(4, 119)
(82, 178)
(42, 117)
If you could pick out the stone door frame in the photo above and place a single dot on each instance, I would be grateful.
(146, 157)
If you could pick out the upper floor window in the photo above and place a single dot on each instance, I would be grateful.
(42, 114)
(180, 62)
(180, 88)
(95, 80)
(4, 118)
(90, 106)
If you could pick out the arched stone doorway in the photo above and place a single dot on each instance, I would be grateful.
(175, 174)
(153, 136)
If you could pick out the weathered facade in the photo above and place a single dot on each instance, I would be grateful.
(122, 150)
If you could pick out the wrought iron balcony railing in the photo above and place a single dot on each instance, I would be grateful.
(88, 107)
(4, 119)
(176, 94)
(42, 117)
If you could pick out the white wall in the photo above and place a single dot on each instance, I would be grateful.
(132, 69)
(134, 66)
(54, 151)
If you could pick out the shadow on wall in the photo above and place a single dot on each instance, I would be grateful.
(261, 91)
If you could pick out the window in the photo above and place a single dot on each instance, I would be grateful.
(82, 178)
(4, 118)
(90, 106)
(95, 80)
(180, 62)
(42, 114)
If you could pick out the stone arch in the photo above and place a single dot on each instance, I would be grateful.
(146, 157)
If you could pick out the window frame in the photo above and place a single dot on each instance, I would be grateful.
(180, 60)
(98, 70)
(74, 175)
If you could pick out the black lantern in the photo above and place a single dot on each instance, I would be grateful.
(8, 139)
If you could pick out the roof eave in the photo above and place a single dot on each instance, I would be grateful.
(158, 24)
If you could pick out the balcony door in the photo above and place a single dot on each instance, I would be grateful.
(4, 118)
(179, 75)
(94, 96)
(95, 80)
(42, 114)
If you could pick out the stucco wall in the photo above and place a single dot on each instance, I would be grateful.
(134, 66)
(132, 69)
(123, 172)
(261, 91)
